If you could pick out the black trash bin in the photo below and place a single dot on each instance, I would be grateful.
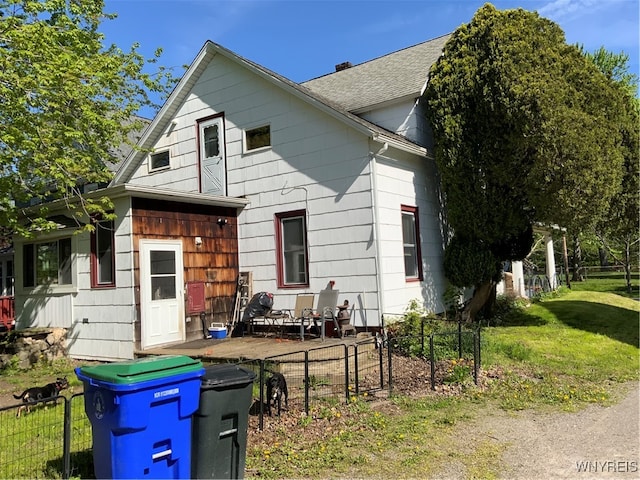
(219, 435)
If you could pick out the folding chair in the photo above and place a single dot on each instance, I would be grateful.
(301, 311)
(325, 310)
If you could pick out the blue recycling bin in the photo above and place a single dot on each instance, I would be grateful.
(141, 415)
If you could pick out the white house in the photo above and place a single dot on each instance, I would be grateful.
(299, 184)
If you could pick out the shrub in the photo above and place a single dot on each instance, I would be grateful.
(411, 334)
(507, 310)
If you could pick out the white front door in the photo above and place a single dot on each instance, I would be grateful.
(161, 292)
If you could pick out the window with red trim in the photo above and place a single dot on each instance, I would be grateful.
(411, 243)
(291, 247)
(103, 269)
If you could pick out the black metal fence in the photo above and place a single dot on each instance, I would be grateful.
(55, 440)
(341, 372)
(49, 441)
(318, 375)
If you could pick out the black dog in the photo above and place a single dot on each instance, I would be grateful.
(49, 392)
(276, 389)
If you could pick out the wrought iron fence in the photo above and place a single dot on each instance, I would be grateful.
(318, 375)
(340, 372)
(51, 440)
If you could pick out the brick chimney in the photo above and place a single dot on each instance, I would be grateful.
(343, 66)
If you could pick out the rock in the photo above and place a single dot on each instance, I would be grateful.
(35, 345)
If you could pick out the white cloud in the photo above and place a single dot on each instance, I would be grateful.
(568, 10)
(562, 8)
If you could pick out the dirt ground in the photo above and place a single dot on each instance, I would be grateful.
(594, 443)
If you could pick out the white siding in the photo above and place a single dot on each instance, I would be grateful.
(400, 118)
(44, 311)
(104, 318)
(409, 181)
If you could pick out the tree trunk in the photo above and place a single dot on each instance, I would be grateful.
(604, 258)
(576, 260)
(627, 265)
(565, 259)
(481, 296)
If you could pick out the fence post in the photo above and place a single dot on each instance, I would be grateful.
(422, 337)
(476, 350)
(479, 349)
(346, 371)
(356, 369)
(261, 415)
(306, 382)
(380, 359)
(66, 442)
(433, 362)
(459, 339)
(390, 365)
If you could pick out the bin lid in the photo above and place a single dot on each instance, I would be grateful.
(226, 376)
(142, 369)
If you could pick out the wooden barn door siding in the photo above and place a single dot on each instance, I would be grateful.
(214, 262)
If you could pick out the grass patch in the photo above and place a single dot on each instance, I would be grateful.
(570, 351)
(361, 440)
(610, 282)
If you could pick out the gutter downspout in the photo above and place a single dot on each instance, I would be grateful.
(376, 228)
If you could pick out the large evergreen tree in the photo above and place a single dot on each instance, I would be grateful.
(525, 131)
(67, 104)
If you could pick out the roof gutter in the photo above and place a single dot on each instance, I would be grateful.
(141, 191)
(404, 146)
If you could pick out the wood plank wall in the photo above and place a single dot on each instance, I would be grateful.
(214, 262)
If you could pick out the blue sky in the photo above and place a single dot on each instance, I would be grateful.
(303, 39)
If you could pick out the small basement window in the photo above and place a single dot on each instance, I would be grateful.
(259, 137)
(159, 160)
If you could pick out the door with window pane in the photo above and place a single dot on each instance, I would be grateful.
(212, 157)
(161, 292)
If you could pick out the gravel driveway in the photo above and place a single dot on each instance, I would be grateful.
(594, 443)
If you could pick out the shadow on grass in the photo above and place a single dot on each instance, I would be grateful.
(520, 319)
(81, 466)
(614, 322)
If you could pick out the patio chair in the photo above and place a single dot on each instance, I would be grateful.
(301, 311)
(325, 310)
(277, 319)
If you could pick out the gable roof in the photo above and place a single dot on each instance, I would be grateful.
(191, 76)
(392, 77)
(124, 149)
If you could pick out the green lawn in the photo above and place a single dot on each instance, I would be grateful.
(610, 282)
(568, 350)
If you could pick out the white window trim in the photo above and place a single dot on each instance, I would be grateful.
(167, 167)
(245, 151)
(18, 266)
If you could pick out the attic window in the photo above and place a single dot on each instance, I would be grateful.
(256, 138)
(159, 160)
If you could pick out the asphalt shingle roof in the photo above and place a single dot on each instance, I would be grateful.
(391, 77)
